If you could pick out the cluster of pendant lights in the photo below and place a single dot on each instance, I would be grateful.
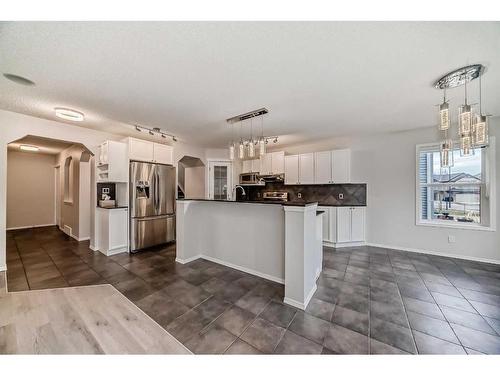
(472, 126)
(252, 147)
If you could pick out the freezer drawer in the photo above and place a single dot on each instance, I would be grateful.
(151, 231)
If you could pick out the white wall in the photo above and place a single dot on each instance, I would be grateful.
(30, 189)
(386, 163)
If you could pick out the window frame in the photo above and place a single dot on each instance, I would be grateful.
(488, 183)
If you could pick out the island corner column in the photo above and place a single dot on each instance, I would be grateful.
(301, 254)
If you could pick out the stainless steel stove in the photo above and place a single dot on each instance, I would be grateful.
(275, 196)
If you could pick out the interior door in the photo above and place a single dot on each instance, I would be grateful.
(220, 180)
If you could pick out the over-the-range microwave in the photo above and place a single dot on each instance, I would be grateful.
(251, 178)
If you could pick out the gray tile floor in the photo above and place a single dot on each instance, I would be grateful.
(369, 300)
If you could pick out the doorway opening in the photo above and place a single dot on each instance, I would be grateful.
(190, 178)
(220, 176)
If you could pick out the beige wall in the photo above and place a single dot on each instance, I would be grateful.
(30, 189)
(194, 182)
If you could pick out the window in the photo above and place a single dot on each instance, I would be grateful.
(456, 196)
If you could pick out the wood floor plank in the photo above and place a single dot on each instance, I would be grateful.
(79, 320)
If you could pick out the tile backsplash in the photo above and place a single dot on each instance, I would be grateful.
(352, 194)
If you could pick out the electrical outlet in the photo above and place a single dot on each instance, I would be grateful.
(451, 239)
(341, 196)
(299, 195)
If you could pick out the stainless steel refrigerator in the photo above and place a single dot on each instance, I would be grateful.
(152, 205)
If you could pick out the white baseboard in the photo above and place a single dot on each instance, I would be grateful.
(32, 226)
(184, 261)
(91, 247)
(300, 305)
(3, 267)
(117, 250)
(344, 244)
(438, 253)
(230, 265)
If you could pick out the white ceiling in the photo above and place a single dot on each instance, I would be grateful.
(318, 79)
(46, 145)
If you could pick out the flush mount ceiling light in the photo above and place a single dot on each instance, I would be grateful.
(472, 127)
(29, 148)
(18, 79)
(246, 147)
(69, 114)
(155, 132)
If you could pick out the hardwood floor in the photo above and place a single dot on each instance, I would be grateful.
(79, 320)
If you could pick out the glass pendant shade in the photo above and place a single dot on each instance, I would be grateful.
(480, 131)
(466, 146)
(251, 149)
(444, 116)
(446, 153)
(262, 146)
(241, 150)
(231, 151)
(464, 120)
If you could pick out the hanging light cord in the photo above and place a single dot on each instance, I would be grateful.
(480, 99)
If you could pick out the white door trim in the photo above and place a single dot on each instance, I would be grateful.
(210, 164)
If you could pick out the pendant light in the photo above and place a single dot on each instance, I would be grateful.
(480, 126)
(444, 114)
(251, 145)
(465, 127)
(241, 147)
(446, 154)
(262, 140)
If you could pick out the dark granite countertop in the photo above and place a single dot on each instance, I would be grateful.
(300, 204)
(288, 203)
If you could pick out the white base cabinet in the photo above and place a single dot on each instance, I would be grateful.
(112, 233)
(343, 226)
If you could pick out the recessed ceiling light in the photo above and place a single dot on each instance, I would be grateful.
(18, 79)
(69, 114)
(29, 148)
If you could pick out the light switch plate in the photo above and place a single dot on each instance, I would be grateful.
(105, 190)
(451, 239)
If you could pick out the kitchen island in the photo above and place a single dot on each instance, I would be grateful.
(278, 241)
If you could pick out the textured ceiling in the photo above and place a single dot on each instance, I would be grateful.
(318, 79)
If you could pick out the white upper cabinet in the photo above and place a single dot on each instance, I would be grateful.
(112, 162)
(323, 167)
(266, 164)
(272, 163)
(246, 166)
(306, 168)
(278, 162)
(255, 165)
(292, 170)
(341, 166)
(142, 150)
(163, 154)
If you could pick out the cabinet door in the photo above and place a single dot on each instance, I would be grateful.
(358, 224)
(278, 162)
(306, 168)
(323, 167)
(247, 166)
(266, 164)
(255, 165)
(343, 224)
(326, 223)
(163, 154)
(291, 170)
(141, 150)
(341, 166)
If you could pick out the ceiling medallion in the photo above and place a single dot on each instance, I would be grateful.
(459, 77)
